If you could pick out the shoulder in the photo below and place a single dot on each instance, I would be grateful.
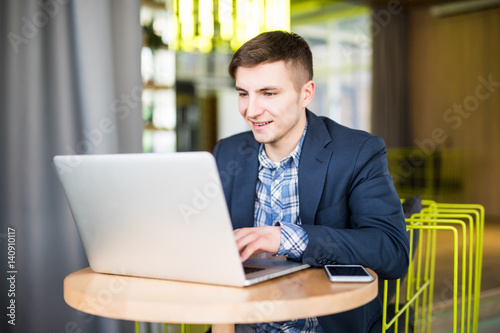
(340, 137)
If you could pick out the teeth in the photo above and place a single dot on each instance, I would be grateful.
(262, 124)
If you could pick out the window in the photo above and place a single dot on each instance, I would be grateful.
(341, 47)
(158, 75)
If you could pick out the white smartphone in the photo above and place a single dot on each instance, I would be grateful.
(348, 273)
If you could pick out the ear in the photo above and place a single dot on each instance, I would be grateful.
(308, 93)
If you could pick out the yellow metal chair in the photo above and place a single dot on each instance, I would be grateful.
(466, 223)
(473, 217)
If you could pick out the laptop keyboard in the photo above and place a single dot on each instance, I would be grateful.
(249, 270)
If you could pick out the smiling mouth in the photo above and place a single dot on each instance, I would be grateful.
(262, 124)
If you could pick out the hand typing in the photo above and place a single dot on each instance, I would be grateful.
(257, 240)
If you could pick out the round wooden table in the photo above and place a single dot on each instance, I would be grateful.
(304, 294)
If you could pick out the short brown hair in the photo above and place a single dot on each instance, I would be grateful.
(273, 46)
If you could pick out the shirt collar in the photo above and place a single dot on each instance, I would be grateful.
(294, 156)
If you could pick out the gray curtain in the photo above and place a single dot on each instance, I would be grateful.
(69, 84)
(390, 89)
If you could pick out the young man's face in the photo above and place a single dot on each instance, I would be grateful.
(271, 104)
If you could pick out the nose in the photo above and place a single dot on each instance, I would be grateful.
(253, 107)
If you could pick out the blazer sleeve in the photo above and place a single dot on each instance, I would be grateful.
(375, 231)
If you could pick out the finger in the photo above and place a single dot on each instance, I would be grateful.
(242, 232)
(252, 248)
(244, 238)
(247, 241)
(256, 240)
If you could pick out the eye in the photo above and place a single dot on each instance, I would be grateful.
(269, 94)
(242, 94)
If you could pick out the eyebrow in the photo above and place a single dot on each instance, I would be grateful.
(261, 89)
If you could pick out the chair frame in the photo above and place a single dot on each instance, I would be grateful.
(466, 222)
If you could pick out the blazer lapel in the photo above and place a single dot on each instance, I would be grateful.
(242, 209)
(313, 166)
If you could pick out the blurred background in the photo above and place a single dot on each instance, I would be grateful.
(121, 76)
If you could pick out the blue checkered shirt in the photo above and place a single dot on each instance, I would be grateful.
(277, 203)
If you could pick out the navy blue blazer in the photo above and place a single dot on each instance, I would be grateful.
(348, 205)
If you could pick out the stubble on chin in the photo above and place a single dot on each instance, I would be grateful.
(264, 139)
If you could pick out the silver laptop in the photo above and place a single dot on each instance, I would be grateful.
(160, 216)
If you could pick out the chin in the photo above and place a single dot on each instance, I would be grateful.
(264, 140)
(261, 139)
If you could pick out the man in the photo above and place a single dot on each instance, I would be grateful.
(304, 186)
